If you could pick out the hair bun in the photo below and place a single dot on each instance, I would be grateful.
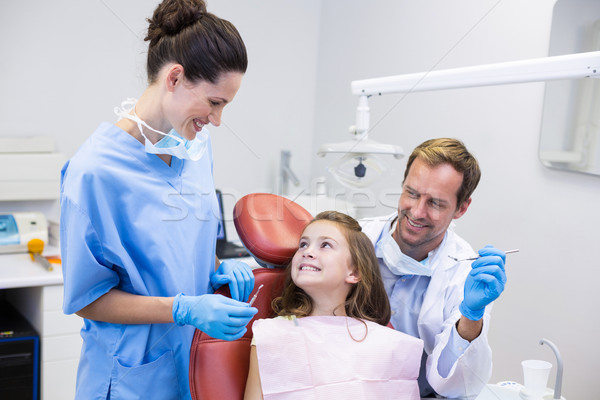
(172, 16)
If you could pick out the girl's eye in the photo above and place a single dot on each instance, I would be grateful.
(325, 244)
(302, 245)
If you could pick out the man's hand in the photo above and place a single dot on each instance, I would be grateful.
(484, 283)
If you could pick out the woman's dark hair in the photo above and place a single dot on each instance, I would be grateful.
(367, 300)
(183, 32)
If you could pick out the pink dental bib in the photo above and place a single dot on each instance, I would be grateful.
(316, 358)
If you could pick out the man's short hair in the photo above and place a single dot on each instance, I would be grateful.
(439, 151)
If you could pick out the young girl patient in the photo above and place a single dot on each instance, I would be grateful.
(330, 339)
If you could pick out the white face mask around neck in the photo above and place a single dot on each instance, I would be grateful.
(172, 143)
(398, 262)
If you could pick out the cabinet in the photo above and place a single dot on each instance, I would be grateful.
(38, 295)
(19, 355)
(60, 341)
(29, 168)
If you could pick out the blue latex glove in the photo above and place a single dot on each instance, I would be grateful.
(238, 275)
(484, 283)
(218, 316)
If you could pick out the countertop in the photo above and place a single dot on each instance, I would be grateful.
(18, 270)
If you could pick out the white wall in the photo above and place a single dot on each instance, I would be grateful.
(66, 64)
(274, 109)
(551, 216)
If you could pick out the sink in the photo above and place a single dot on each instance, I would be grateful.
(508, 391)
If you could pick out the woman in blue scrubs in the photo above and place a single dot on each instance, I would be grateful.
(139, 217)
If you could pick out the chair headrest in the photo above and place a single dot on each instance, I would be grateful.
(270, 227)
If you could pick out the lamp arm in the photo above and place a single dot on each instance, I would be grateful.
(361, 128)
(571, 66)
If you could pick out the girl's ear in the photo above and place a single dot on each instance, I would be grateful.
(352, 277)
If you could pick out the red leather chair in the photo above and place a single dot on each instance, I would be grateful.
(270, 227)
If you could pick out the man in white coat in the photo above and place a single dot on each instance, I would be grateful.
(434, 297)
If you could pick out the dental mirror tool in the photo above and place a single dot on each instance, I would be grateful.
(255, 294)
(475, 258)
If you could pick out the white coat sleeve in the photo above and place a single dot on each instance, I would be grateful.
(472, 368)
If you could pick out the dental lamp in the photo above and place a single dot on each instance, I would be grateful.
(351, 169)
(361, 149)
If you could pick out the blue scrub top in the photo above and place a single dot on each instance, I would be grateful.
(129, 221)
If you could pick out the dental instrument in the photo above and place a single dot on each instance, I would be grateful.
(475, 258)
(36, 247)
(255, 294)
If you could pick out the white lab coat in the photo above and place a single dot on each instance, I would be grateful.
(437, 316)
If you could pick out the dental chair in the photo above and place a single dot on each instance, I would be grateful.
(270, 227)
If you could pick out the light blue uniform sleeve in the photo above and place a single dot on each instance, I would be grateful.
(86, 277)
(455, 348)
